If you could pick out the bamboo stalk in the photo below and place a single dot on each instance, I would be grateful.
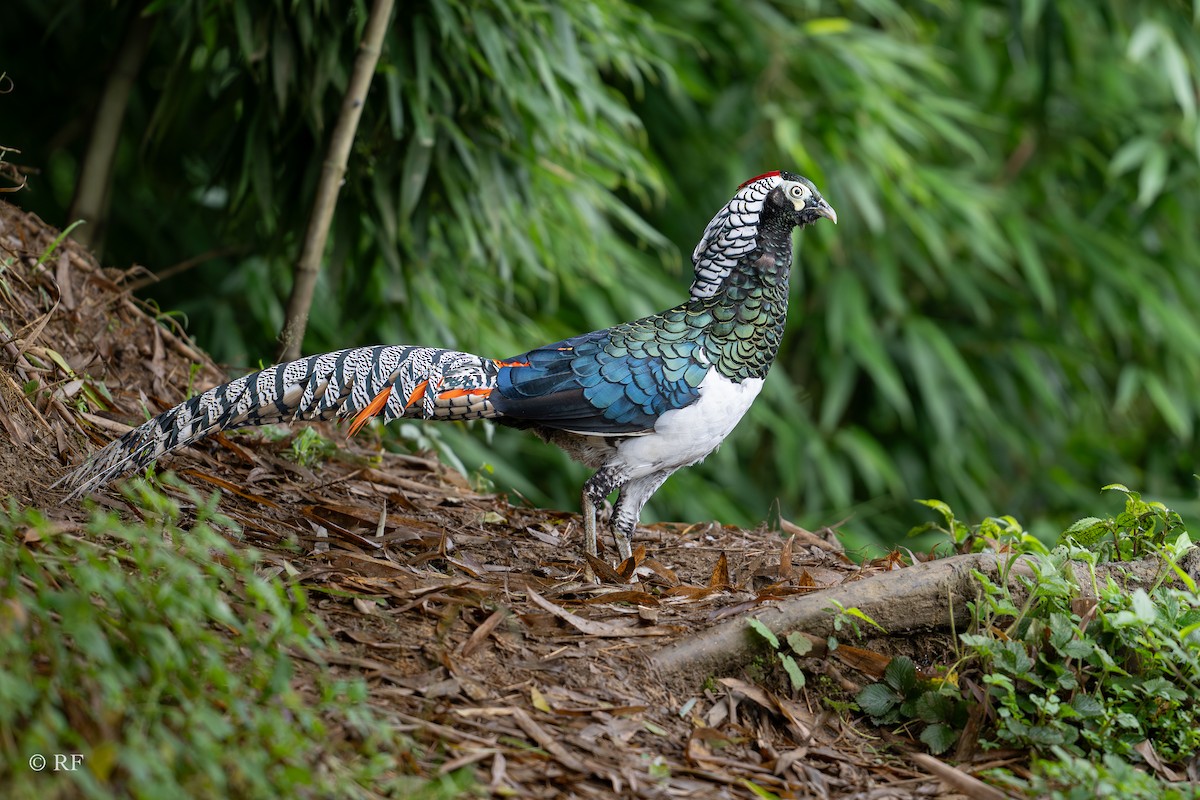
(308, 265)
(95, 177)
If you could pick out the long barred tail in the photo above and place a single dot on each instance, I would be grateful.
(387, 381)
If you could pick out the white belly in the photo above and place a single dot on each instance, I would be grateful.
(686, 435)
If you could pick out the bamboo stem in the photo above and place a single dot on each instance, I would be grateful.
(95, 177)
(332, 173)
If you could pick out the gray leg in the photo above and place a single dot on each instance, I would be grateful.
(630, 503)
(598, 487)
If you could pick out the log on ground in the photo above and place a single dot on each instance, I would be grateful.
(923, 597)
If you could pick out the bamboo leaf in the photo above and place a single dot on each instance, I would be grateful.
(1153, 175)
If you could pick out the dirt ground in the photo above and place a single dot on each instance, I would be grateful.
(469, 617)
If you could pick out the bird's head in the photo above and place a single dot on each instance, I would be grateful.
(806, 202)
(767, 206)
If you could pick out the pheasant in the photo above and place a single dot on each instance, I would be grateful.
(635, 402)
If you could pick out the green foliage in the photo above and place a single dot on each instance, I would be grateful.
(796, 643)
(1128, 676)
(1070, 777)
(164, 659)
(935, 705)
(977, 317)
(1141, 528)
(848, 618)
(309, 448)
(1002, 319)
(993, 533)
(1097, 679)
(486, 168)
(58, 240)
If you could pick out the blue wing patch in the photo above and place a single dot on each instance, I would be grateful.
(606, 383)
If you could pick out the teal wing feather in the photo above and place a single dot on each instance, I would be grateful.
(613, 382)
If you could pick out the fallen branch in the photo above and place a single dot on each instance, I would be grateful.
(185, 265)
(958, 780)
(922, 597)
(592, 627)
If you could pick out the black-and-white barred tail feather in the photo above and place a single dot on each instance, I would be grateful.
(394, 381)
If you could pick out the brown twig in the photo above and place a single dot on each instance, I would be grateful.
(958, 780)
(185, 265)
(178, 342)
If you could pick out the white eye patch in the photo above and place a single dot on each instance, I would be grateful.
(798, 192)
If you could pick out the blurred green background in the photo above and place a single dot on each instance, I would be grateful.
(1004, 317)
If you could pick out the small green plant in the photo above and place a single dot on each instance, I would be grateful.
(1072, 777)
(937, 706)
(844, 618)
(310, 448)
(1100, 679)
(91, 394)
(193, 370)
(482, 479)
(96, 395)
(658, 768)
(1141, 528)
(758, 791)
(993, 533)
(162, 316)
(797, 643)
(49, 251)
